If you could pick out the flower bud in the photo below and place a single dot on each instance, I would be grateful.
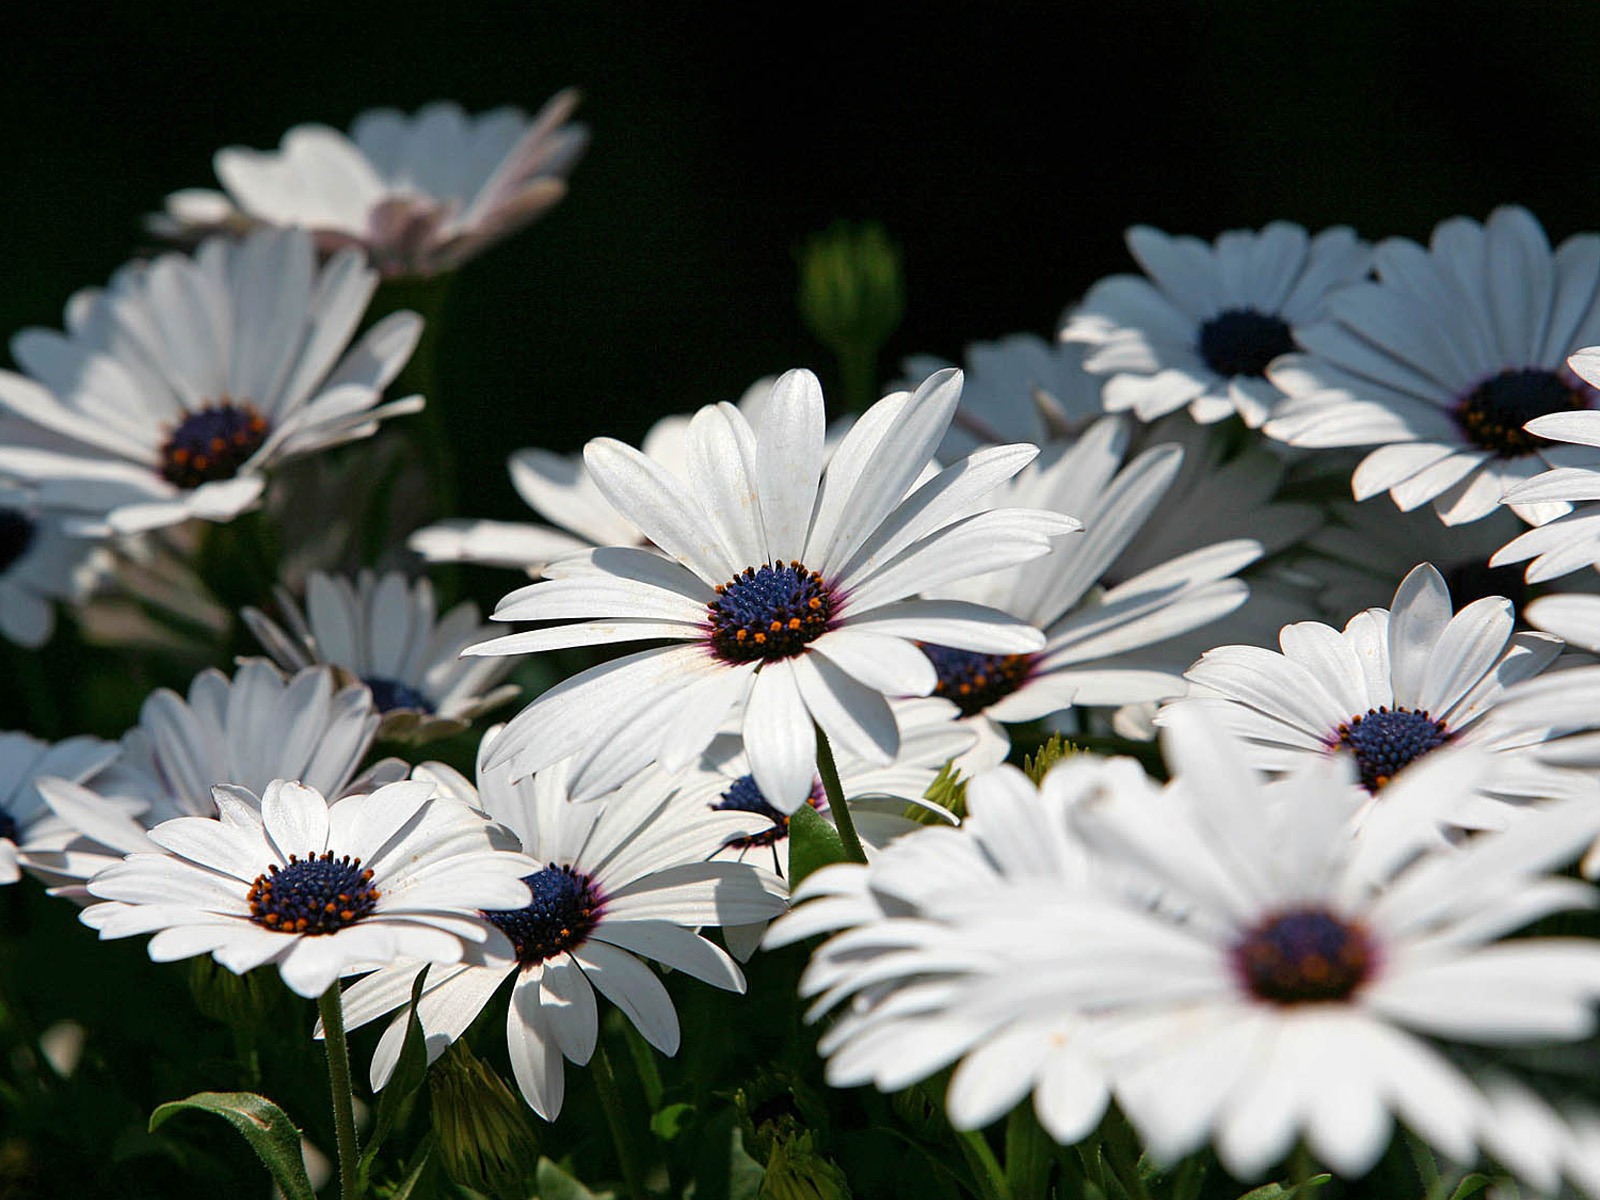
(795, 1171)
(481, 1128)
(852, 295)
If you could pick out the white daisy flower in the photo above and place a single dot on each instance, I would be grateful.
(1571, 541)
(1018, 389)
(1107, 643)
(247, 731)
(621, 877)
(177, 387)
(386, 633)
(1396, 685)
(317, 888)
(420, 195)
(1287, 982)
(27, 826)
(788, 588)
(912, 991)
(1443, 361)
(1226, 958)
(560, 489)
(41, 563)
(1200, 327)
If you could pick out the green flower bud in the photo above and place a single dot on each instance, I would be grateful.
(481, 1129)
(795, 1171)
(852, 296)
(1037, 765)
(948, 790)
(240, 1001)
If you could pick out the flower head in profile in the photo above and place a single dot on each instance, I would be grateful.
(27, 826)
(1442, 362)
(625, 876)
(1236, 960)
(387, 633)
(247, 731)
(420, 194)
(781, 585)
(40, 563)
(316, 888)
(559, 488)
(178, 387)
(1394, 686)
(1203, 323)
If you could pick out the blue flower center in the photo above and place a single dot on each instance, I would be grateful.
(1493, 414)
(8, 828)
(1386, 740)
(16, 535)
(769, 612)
(1304, 956)
(390, 694)
(1243, 341)
(212, 443)
(566, 907)
(318, 894)
(744, 795)
(973, 681)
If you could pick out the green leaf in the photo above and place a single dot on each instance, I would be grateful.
(553, 1183)
(1276, 1191)
(1470, 1186)
(263, 1124)
(813, 843)
(394, 1103)
(407, 1189)
(672, 1121)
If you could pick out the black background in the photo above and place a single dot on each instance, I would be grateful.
(1005, 150)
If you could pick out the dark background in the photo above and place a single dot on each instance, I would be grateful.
(1005, 151)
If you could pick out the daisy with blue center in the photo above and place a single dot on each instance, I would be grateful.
(31, 835)
(1441, 364)
(40, 563)
(1201, 327)
(782, 585)
(385, 630)
(1392, 688)
(178, 386)
(317, 888)
(628, 875)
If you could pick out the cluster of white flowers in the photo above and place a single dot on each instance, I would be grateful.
(1293, 937)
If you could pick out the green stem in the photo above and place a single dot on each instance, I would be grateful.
(344, 1108)
(837, 808)
(644, 1062)
(617, 1118)
(989, 1179)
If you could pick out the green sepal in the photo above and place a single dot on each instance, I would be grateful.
(394, 1102)
(813, 843)
(1276, 1191)
(267, 1128)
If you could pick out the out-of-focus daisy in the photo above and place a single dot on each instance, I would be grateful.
(559, 488)
(1203, 323)
(1394, 686)
(1292, 970)
(1357, 559)
(1018, 389)
(40, 563)
(316, 888)
(178, 386)
(913, 990)
(1442, 362)
(1233, 962)
(1106, 645)
(621, 877)
(788, 588)
(1570, 541)
(384, 631)
(26, 823)
(248, 731)
(420, 194)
